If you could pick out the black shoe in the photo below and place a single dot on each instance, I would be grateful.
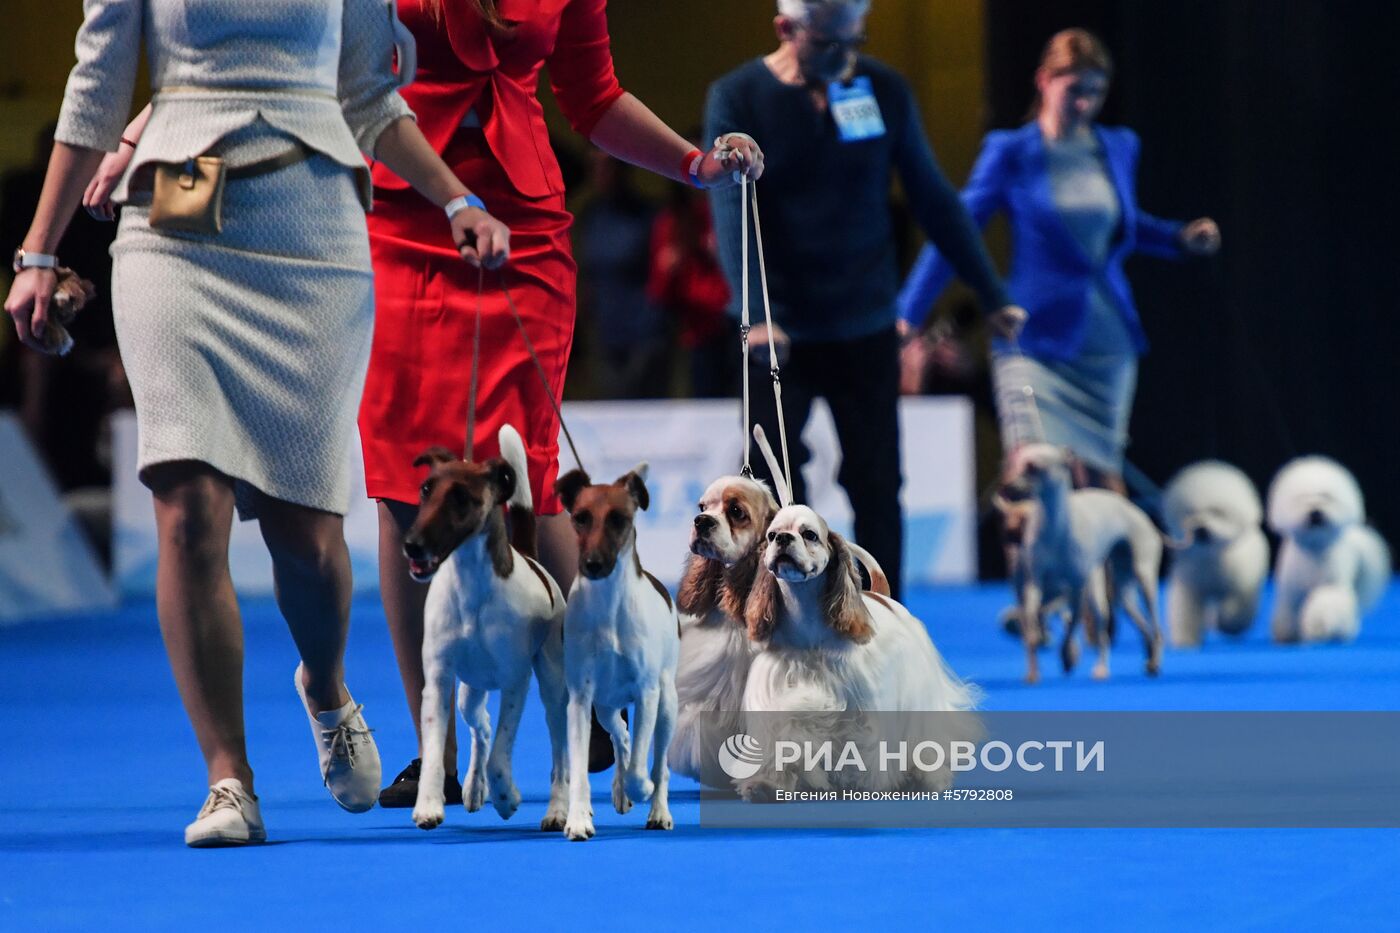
(600, 747)
(403, 792)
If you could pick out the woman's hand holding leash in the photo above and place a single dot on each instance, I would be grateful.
(734, 156)
(481, 239)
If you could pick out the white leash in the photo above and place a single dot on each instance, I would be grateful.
(1028, 394)
(747, 191)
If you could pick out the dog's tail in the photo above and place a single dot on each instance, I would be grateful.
(780, 481)
(865, 561)
(523, 534)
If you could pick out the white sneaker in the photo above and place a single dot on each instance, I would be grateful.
(349, 759)
(229, 817)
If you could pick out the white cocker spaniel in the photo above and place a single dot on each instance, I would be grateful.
(829, 648)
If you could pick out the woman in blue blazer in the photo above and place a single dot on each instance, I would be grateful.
(1068, 188)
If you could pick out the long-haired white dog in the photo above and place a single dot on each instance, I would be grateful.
(1332, 568)
(1221, 556)
(725, 542)
(829, 648)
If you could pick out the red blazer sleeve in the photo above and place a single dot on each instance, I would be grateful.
(581, 65)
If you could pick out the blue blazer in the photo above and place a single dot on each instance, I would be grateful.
(1050, 273)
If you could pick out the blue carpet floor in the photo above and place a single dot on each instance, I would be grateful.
(99, 773)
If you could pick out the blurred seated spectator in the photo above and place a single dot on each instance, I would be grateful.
(629, 336)
(687, 283)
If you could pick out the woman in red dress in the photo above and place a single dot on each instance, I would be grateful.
(474, 94)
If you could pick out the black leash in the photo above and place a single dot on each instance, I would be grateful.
(530, 348)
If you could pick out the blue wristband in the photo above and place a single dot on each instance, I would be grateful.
(461, 203)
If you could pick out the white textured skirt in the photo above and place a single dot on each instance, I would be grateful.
(247, 350)
(1083, 404)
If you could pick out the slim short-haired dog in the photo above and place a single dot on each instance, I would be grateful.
(829, 648)
(1070, 540)
(492, 616)
(1332, 569)
(1220, 556)
(621, 646)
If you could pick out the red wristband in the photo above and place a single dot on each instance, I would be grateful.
(689, 166)
(129, 142)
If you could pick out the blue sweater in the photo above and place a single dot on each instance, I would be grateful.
(1050, 273)
(825, 205)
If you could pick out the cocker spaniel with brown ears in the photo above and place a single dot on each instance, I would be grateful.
(726, 540)
(826, 647)
(726, 544)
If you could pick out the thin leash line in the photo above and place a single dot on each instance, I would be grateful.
(772, 344)
(744, 314)
(476, 364)
(539, 368)
(1027, 393)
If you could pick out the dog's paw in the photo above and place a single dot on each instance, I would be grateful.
(578, 830)
(640, 787)
(660, 819)
(554, 820)
(506, 802)
(474, 792)
(619, 794)
(427, 816)
(1154, 659)
(1100, 671)
(1069, 654)
(1032, 678)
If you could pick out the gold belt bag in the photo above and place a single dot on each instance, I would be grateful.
(189, 196)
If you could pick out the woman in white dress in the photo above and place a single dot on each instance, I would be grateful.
(246, 348)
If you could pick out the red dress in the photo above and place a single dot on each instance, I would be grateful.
(417, 386)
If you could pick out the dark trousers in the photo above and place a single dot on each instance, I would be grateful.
(860, 381)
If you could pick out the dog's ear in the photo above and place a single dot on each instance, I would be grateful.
(763, 606)
(699, 590)
(636, 484)
(568, 486)
(841, 601)
(433, 456)
(502, 478)
(739, 580)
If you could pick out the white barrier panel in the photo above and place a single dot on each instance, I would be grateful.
(134, 528)
(46, 565)
(687, 444)
(690, 443)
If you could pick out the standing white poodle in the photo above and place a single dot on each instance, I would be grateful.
(1213, 517)
(1332, 569)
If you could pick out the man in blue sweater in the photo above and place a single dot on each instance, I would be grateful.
(835, 126)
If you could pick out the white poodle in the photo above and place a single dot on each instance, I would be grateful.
(1332, 569)
(1213, 517)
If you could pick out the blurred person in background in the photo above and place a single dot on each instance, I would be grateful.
(611, 240)
(837, 127)
(1068, 188)
(64, 401)
(687, 283)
